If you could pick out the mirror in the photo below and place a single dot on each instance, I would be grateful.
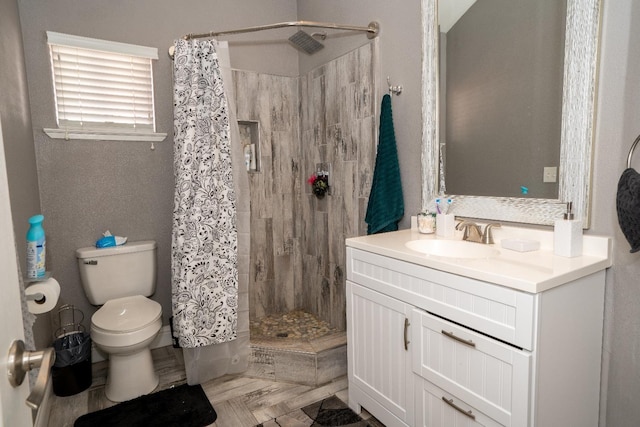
(576, 127)
(500, 95)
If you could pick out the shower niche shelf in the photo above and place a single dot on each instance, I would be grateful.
(250, 140)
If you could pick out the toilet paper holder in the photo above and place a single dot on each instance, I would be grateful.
(38, 298)
(42, 294)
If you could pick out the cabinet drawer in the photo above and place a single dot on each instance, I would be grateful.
(490, 376)
(495, 310)
(438, 408)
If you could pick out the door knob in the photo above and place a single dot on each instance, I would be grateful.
(21, 361)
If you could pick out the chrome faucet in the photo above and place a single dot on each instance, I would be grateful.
(472, 232)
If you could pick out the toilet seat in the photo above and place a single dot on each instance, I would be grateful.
(128, 314)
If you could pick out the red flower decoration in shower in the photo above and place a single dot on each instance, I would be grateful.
(319, 184)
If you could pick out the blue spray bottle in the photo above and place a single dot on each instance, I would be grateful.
(36, 248)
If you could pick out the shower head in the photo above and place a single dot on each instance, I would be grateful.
(305, 43)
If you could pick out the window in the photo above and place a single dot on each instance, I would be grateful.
(103, 89)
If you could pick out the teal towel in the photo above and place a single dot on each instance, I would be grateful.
(386, 204)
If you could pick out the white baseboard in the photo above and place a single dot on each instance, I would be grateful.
(162, 340)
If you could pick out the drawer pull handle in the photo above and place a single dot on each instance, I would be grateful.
(470, 343)
(406, 331)
(468, 413)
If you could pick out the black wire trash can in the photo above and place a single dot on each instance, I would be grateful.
(71, 372)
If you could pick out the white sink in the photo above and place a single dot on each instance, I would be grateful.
(452, 248)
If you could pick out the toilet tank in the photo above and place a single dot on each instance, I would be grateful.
(118, 271)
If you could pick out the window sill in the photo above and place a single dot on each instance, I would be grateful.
(104, 135)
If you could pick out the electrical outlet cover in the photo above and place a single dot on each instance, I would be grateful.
(550, 174)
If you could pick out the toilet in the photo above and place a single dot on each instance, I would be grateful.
(120, 279)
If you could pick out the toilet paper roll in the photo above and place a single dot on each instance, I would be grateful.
(42, 296)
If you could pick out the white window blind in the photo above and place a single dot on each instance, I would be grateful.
(102, 85)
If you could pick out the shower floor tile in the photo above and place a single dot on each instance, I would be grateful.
(296, 324)
(295, 331)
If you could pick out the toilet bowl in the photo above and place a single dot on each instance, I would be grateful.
(120, 279)
(124, 328)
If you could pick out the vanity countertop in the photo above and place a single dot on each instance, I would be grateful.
(533, 272)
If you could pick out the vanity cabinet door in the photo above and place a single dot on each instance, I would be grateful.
(437, 408)
(379, 363)
(488, 375)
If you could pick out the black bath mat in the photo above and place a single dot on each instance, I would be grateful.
(184, 406)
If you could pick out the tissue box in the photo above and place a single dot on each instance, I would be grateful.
(520, 245)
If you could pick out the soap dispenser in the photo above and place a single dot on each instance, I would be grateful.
(567, 235)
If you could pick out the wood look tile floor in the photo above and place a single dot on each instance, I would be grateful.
(239, 400)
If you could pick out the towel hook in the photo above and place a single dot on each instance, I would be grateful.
(394, 90)
(633, 147)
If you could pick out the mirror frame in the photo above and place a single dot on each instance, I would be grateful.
(578, 119)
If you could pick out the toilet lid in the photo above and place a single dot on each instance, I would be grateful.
(126, 314)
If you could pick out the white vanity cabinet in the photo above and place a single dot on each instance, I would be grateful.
(431, 348)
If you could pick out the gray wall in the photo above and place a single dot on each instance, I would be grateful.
(88, 187)
(16, 126)
(18, 141)
(616, 128)
(618, 112)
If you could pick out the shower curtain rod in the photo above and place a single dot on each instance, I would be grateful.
(372, 30)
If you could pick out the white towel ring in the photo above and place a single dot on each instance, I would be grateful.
(633, 147)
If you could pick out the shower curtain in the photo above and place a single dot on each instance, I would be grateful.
(205, 236)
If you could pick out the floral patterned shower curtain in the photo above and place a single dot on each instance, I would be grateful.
(204, 244)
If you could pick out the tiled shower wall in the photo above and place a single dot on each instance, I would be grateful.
(297, 241)
(338, 126)
(272, 101)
